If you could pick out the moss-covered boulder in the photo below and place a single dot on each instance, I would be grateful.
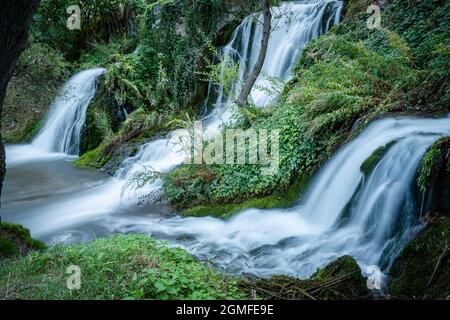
(15, 239)
(433, 180)
(341, 279)
(370, 163)
(422, 271)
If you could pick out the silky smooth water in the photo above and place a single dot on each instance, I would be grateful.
(61, 132)
(342, 212)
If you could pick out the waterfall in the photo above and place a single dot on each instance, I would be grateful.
(342, 213)
(61, 131)
(294, 25)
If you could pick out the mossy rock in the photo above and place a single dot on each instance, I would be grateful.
(341, 279)
(279, 199)
(15, 239)
(422, 271)
(371, 162)
(433, 179)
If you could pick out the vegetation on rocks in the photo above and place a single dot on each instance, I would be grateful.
(422, 271)
(434, 177)
(370, 163)
(341, 279)
(35, 82)
(16, 240)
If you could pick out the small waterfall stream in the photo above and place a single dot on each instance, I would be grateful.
(61, 132)
(294, 25)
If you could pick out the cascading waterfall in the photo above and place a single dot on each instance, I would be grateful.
(300, 22)
(61, 132)
(294, 25)
(342, 212)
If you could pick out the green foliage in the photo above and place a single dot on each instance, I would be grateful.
(101, 21)
(7, 248)
(279, 199)
(335, 83)
(430, 164)
(120, 267)
(351, 73)
(341, 279)
(92, 159)
(370, 163)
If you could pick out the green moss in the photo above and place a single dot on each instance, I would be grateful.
(7, 248)
(36, 81)
(276, 200)
(119, 267)
(349, 74)
(25, 133)
(336, 82)
(16, 239)
(370, 163)
(430, 163)
(92, 159)
(422, 270)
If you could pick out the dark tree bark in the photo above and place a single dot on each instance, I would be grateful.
(15, 20)
(249, 83)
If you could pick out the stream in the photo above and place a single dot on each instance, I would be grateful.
(343, 212)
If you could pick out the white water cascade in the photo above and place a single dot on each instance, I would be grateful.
(61, 132)
(301, 22)
(342, 212)
(294, 24)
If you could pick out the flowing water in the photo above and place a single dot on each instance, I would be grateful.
(294, 24)
(61, 132)
(343, 212)
(60, 135)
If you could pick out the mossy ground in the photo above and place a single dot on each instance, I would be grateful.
(15, 240)
(35, 82)
(422, 271)
(279, 199)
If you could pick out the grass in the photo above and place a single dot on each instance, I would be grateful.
(119, 267)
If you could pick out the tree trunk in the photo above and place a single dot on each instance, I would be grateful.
(247, 88)
(15, 20)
